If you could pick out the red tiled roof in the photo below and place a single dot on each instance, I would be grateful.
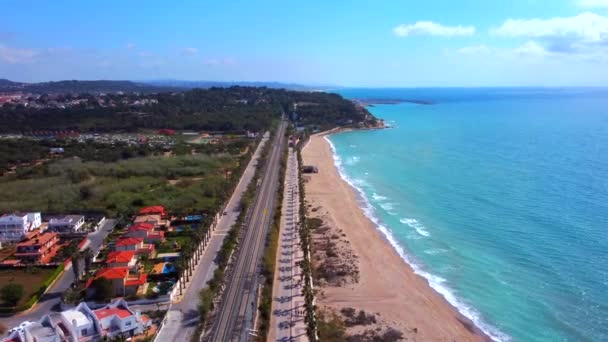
(38, 240)
(157, 209)
(149, 248)
(153, 235)
(123, 256)
(140, 280)
(129, 241)
(141, 226)
(107, 312)
(112, 273)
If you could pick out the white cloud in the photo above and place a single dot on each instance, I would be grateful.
(584, 28)
(432, 29)
(530, 49)
(593, 3)
(189, 51)
(16, 56)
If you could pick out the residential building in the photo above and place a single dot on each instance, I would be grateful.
(134, 244)
(146, 231)
(116, 319)
(155, 220)
(122, 259)
(153, 210)
(80, 323)
(123, 283)
(44, 330)
(39, 249)
(66, 224)
(14, 227)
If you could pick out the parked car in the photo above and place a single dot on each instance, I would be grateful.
(20, 327)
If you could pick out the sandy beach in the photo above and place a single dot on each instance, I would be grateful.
(387, 285)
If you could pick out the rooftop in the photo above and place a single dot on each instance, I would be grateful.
(122, 256)
(157, 209)
(129, 241)
(107, 312)
(38, 240)
(147, 218)
(112, 273)
(75, 315)
(38, 330)
(138, 280)
(66, 219)
(141, 226)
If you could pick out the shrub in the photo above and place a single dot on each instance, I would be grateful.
(12, 293)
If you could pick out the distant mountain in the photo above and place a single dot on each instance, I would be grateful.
(101, 86)
(152, 86)
(218, 84)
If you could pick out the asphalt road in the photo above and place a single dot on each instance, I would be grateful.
(51, 300)
(234, 320)
(183, 317)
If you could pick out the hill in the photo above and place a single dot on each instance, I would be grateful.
(77, 87)
(234, 109)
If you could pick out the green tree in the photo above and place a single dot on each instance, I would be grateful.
(87, 255)
(76, 263)
(205, 304)
(12, 293)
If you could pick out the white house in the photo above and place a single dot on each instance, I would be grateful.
(44, 330)
(81, 323)
(116, 319)
(13, 227)
(66, 224)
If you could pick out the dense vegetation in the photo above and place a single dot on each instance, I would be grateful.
(232, 109)
(17, 151)
(193, 183)
(81, 87)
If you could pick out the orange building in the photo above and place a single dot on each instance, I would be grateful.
(38, 249)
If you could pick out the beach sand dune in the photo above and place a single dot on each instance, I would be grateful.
(387, 285)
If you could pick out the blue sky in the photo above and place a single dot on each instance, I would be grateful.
(371, 43)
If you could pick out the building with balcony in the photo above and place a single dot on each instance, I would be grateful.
(14, 227)
(39, 249)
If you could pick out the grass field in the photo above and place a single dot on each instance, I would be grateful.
(30, 278)
(198, 184)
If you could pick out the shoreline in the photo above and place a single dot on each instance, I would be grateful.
(398, 294)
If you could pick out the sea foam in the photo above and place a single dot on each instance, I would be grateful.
(435, 282)
(413, 223)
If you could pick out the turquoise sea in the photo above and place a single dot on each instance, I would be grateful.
(499, 197)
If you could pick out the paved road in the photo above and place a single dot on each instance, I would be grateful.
(237, 310)
(51, 300)
(288, 311)
(183, 317)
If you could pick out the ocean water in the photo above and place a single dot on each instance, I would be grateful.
(499, 197)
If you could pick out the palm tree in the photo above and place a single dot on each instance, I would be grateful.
(88, 260)
(76, 256)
